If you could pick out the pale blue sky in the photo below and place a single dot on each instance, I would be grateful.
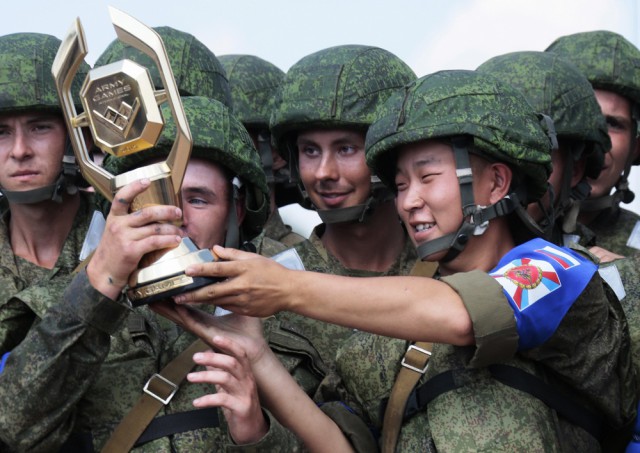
(428, 34)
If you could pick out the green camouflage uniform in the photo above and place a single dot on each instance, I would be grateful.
(316, 258)
(612, 63)
(589, 351)
(275, 237)
(82, 367)
(27, 290)
(337, 87)
(483, 415)
(612, 229)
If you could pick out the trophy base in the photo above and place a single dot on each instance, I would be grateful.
(165, 277)
(166, 288)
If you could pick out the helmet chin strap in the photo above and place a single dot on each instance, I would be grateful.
(475, 217)
(623, 193)
(232, 238)
(360, 212)
(53, 192)
(264, 149)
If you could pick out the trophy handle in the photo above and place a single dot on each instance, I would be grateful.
(136, 34)
(65, 66)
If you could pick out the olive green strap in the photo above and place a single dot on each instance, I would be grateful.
(158, 391)
(414, 364)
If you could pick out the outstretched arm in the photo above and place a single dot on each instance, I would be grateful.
(412, 308)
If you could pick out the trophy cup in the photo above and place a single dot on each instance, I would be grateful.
(121, 108)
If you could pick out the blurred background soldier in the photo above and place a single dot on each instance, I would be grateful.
(556, 88)
(612, 65)
(254, 82)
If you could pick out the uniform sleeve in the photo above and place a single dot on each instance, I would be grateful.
(352, 426)
(494, 325)
(278, 438)
(50, 370)
(16, 318)
(591, 352)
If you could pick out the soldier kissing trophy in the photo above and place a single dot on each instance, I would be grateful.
(121, 108)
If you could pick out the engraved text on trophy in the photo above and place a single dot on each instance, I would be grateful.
(120, 102)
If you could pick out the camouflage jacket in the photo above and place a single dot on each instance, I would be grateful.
(589, 353)
(78, 362)
(612, 231)
(27, 291)
(275, 237)
(327, 337)
(82, 368)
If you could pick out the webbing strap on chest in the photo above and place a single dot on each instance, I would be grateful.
(157, 392)
(414, 364)
(82, 442)
(559, 400)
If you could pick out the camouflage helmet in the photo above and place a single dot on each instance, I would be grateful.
(340, 86)
(196, 69)
(497, 118)
(217, 137)
(555, 87)
(26, 82)
(253, 82)
(609, 61)
(476, 113)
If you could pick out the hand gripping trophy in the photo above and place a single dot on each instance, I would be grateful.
(121, 108)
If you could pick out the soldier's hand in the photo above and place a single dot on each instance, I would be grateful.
(244, 330)
(253, 285)
(605, 255)
(237, 392)
(241, 345)
(128, 236)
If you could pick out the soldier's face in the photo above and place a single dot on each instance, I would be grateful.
(428, 199)
(206, 203)
(558, 157)
(31, 149)
(333, 168)
(617, 111)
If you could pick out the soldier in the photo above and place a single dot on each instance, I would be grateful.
(503, 313)
(44, 216)
(612, 65)
(323, 109)
(554, 87)
(254, 82)
(87, 361)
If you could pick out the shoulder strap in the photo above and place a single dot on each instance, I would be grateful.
(414, 364)
(158, 391)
